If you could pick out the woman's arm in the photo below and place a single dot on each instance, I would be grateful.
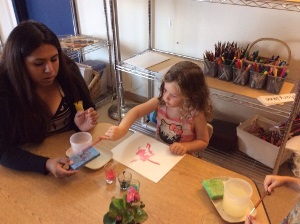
(76, 90)
(16, 158)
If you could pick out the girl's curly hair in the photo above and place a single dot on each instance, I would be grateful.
(192, 86)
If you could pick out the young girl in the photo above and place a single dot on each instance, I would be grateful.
(183, 109)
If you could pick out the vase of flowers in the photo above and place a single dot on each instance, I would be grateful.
(126, 210)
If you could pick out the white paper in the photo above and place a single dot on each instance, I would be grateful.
(147, 59)
(146, 155)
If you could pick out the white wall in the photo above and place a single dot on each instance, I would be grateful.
(7, 19)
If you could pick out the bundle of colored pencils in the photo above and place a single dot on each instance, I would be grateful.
(274, 134)
(225, 52)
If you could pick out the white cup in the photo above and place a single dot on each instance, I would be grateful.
(80, 141)
(236, 198)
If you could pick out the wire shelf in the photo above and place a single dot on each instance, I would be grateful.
(281, 110)
(92, 44)
(279, 5)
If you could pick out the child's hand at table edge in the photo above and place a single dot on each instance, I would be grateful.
(178, 148)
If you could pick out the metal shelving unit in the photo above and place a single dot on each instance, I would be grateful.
(74, 52)
(280, 5)
(288, 111)
(96, 44)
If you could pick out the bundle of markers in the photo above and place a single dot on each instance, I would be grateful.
(268, 66)
(241, 64)
(241, 72)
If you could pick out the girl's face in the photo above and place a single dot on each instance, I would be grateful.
(43, 64)
(172, 96)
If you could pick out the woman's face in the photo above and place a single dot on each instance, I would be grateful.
(43, 64)
(172, 96)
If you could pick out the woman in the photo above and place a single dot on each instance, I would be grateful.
(39, 85)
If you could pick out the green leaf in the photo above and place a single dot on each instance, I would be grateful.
(116, 204)
(108, 220)
(127, 217)
(140, 215)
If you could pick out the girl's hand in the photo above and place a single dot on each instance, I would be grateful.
(250, 220)
(273, 181)
(115, 133)
(86, 120)
(56, 167)
(178, 148)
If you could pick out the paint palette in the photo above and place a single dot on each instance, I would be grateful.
(100, 161)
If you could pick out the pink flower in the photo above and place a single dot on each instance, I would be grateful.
(132, 195)
(119, 218)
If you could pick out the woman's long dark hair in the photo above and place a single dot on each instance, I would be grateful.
(192, 85)
(29, 113)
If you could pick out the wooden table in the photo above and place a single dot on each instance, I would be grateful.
(84, 198)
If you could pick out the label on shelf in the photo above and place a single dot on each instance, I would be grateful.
(276, 99)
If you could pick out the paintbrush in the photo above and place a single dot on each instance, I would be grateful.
(260, 200)
(99, 139)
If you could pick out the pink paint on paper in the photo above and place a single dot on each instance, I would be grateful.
(145, 154)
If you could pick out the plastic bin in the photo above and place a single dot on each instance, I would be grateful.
(255, 147)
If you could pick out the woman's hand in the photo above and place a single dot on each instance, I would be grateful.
(86, 120)
(56, 167)
(115, 133)
(178, 148)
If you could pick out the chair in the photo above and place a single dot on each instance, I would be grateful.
(210, 130)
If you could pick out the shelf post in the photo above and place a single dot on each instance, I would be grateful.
(292, 116)
(109, 45)
(75, 24)
(117, 111)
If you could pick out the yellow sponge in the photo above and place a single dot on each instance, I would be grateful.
(79, 105)
(214, 188)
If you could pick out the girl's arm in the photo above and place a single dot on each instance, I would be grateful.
(201, 139)
(117, 132)
(273, 181)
